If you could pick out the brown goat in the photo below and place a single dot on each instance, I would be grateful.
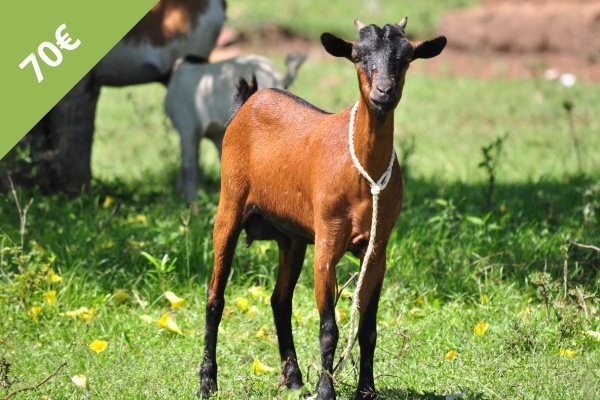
(287, 175)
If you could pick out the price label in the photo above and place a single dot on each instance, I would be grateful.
(50, 53)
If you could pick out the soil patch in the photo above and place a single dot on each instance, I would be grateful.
(525, 37)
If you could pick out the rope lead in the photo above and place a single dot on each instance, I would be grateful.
(376, 189)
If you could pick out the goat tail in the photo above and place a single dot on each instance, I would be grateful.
(243, 93)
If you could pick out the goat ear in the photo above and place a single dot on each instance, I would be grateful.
(335, 46)
(430, 48)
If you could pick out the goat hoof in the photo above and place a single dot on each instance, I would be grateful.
(365, 394)
(325, 388)
(292, 383)
(291, 376)
(208, 386)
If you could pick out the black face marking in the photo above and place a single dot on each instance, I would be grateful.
(382, 49)
(384, 55)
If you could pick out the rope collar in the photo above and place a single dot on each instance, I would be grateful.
(376, 187)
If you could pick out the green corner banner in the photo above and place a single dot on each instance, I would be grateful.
(47, 47)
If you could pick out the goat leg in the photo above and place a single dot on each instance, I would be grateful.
(190, 155)
(367, 328)
(225, 236)
(291, 257)
(328, 252)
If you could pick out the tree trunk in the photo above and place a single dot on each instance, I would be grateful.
(59, 145)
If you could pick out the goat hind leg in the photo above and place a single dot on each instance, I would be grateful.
(291, 257)
(225, 236)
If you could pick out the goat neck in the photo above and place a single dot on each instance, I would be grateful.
(373, 139)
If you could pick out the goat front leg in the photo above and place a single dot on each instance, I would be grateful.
(291, 257)
(225, 236)
(328, 251)
(367, 328)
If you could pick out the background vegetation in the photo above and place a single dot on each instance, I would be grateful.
(310, 18)
(490, 275)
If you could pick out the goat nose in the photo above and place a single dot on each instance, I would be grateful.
(384, 90)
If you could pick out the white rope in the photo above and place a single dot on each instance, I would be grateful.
(376, 188)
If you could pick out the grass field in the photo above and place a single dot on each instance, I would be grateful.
(497, 284)
(310, 18)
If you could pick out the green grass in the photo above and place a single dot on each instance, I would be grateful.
(310, 18)
(447, 256)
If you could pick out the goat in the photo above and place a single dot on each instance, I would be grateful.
(287, 175)
(199, 101)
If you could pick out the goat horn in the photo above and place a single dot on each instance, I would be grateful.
(402, 24)
(359, 25)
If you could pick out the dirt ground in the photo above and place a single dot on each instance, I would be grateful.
(500, 39)
(523, 38)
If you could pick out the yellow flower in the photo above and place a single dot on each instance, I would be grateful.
(346, 294)
(167, 322)
(84, 314)
(228, 310)
(260, 368)
(242, 303)
(135, 243)
(417, 312)
(267, 300)
(568, 353)
(450, 355)
(147, 319)
(256, 291)
(80, 381)
(50, 297)
(262, 333)
(252, 311)
(298, 316)
(52, 276)
(141, 218)
(484, 298)
(481, 328)
(175, 300)
(108, 201)
(34, 312)
(98, 345)
(503, 208)
(38, 248)
(342, 315)
(120, 296)
(526, 313)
